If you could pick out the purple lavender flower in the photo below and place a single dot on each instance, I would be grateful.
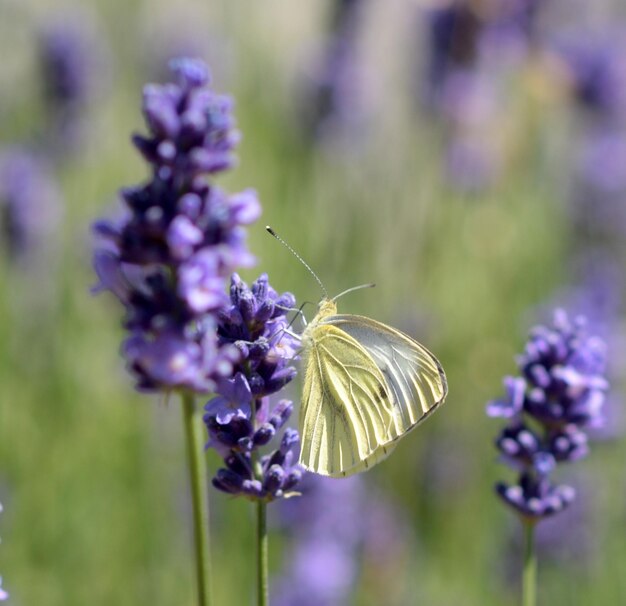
(327, 526)
(561, 392)
(512, 26)
(334, 529)
(62, 54)
(460, 35)
(167, 259)
(239, 420)
(467, 48)
(452, 32)
(599, 182)
(72, 63)
(30, 204)
(597, 69)
(335, 99)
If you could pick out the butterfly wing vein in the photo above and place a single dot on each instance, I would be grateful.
(414, 376)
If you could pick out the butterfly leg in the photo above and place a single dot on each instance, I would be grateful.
(298, 312)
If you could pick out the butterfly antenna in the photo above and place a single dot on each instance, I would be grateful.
(345, 292)
(297, 256)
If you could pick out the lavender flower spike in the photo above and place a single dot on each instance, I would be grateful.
(239, 419)
(167, 260)
(561, 392)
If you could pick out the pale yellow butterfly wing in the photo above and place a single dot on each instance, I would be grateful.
(415, 378)
(347, 414)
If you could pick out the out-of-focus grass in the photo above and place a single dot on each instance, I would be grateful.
(92, 475)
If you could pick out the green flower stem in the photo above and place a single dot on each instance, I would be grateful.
(261, 529)
(199, 496)
(529, 576)
(262, 572)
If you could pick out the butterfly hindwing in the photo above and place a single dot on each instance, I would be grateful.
(347, 412)
(414, 376)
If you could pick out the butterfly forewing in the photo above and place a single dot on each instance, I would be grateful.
(415, 379)
(347, 411)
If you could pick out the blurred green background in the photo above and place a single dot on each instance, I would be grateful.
(92, 475)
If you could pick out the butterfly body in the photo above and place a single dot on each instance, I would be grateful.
(366, 385)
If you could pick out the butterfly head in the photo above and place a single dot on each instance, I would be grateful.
(327, 307)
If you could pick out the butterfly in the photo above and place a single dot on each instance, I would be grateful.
(366, 385)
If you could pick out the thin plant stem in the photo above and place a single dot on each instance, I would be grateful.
(262, 550)
(199, 496)
(261, 529)
(529, 575)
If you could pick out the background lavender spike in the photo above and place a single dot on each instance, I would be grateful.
(327, 526)
(335, 99)
(561, 393)
(30, 203)
(468, 50)
(74, 68)
(334, 530)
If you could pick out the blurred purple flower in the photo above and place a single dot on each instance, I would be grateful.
(467, 48)
(73, 65)
(239, 419)
(327, 525)
(168, 257)
(337, 526)
(511, 26)
(453, 31)
(30, 204)
(599, 182)
(461, 36)
(596, 66)
(561, 392)
(335, 99)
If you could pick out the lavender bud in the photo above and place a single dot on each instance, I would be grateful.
(281, 413)
(292, 479)
(228, 481)
(264, 434)
(291, 439)
(265, 311)
(274, 478)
